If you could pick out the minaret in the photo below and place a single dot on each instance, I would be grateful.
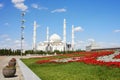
(73, 37)
(34, 36)
(47, 34)
(64, 34)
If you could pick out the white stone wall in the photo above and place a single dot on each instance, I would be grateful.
(41, 48)
(54, 47)
(58, 47)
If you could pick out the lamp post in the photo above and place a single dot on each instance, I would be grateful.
(22, 30)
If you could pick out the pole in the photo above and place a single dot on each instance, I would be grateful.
(22, 31)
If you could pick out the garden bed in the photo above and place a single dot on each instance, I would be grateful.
(80, 69)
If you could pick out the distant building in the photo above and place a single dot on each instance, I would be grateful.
(114, 48)
(95, 47)
(92, 46)
(54, 43)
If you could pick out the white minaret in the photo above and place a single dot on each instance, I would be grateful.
(73, 37)
(64, 34)
(47, 34)
(34, 36)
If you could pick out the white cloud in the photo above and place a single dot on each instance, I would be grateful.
(78, 29)
(59, 10)
(14, 44)
(6, 24)
(1, 42)
(91, 40)
(8, 42)
(17, 45)
(19, 4)
(1, 5)
(80, 45)
(118, 30)
(4, 36)
(36, 6)
(17, 1)
(17, 41)
(38, 25)
(7, 39)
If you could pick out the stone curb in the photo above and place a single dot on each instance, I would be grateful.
(27, 73)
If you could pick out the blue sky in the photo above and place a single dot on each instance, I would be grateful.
(99, 19)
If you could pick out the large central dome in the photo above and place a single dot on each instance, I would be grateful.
(55, 38)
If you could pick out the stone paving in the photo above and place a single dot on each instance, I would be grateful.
(22, 71)
(3, 62)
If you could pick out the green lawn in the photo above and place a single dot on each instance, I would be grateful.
(72, 71)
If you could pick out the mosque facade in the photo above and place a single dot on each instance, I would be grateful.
(52, 43)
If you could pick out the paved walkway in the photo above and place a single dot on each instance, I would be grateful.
(3, 62)
(22, 71)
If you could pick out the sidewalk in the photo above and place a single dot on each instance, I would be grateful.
(3, 62)
(22, 71)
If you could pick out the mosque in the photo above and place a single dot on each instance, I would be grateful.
(54, 42)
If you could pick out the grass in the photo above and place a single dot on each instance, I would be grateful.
(72, 71)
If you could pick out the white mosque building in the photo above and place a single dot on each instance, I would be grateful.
(52, 43)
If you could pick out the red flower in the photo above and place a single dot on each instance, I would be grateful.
(42, 61)
(117, 56)
(87, 58)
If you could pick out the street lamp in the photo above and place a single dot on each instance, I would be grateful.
(22, 30)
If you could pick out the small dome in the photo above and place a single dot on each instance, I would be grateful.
(55, 38)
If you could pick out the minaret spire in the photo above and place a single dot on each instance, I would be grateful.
(64, 34)
(34, 35)
(47, 34)
(73, 37)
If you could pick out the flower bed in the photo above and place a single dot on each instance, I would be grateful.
(117, 56)
(88, 58)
